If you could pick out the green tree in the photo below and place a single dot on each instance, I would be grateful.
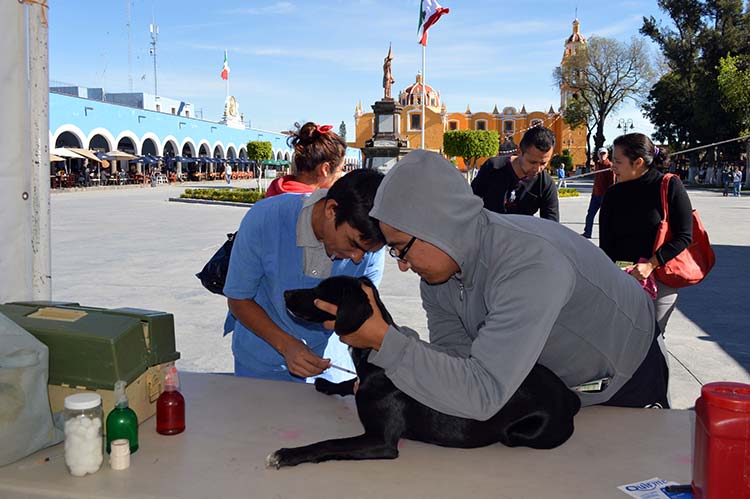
(342, 131)
(565, 159)
(734, 84)
(471, 145)
(686, 106)
(259, 151)
(605, 73)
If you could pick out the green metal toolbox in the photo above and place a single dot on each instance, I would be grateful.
(90, 348)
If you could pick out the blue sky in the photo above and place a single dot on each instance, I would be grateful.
(312, 60)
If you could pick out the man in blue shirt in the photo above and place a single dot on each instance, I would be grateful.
(289, 242)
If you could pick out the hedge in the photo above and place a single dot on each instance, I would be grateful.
(568, 192)
(235, 195)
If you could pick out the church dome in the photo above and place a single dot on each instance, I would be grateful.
(412, 95)
(576, 37)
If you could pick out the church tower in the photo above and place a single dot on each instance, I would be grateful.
(573, 44)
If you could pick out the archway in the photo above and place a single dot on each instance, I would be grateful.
(126, 144)
(68, 139)
(204, 152)
(188, 151)
(170, 151)
(149, 147)
(72, 166)
(99, 143)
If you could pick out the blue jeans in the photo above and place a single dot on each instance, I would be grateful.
(737, 188)
(594, 205)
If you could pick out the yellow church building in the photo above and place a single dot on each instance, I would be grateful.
(510, 123)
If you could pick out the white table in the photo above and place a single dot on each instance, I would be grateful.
(233, 423)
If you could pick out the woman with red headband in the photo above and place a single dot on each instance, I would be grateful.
(318, 160)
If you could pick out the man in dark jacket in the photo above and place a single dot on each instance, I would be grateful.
(519, 184)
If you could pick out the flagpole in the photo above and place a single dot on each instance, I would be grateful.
(424, 84)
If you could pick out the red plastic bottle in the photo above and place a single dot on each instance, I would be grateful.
(721, 460)
(170, 406)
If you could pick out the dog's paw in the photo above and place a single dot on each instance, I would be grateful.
(324, 386)
(273, 460)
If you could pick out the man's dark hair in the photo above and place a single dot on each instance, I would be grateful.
(354, 194)
(540, 137)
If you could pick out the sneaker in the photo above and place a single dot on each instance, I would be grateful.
(587, 236)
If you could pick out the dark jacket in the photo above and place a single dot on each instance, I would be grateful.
(503, 192)
(631, 214)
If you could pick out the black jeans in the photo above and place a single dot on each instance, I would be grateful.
(648, 385)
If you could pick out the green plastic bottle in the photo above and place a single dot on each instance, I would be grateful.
(122, 422)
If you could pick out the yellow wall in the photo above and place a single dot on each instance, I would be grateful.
(575, 140)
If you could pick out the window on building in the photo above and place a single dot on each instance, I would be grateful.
(481, 125)
(509, 126)
(187, 113)
(158, 108)
(453, 125)
(174, 110)
(415, 121)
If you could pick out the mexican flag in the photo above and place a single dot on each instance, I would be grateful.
(429, 13)
(225, 69)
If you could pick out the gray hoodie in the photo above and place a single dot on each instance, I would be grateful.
(529, 290)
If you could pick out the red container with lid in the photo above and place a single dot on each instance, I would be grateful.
(721, 459)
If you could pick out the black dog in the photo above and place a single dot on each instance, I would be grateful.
(539, 415)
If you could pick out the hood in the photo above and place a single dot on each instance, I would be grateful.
(288, 184)
(426, 196)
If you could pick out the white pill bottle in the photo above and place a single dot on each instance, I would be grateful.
(83, 433)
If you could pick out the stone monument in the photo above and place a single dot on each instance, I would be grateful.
(386, 146)
(232, 117)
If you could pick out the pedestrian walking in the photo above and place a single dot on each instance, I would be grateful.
(228, 173)
(727, 180)
(737, 181)
(604, 177)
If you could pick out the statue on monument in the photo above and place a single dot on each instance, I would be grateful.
(387, 76)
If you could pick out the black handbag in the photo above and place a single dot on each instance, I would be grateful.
(214, 273)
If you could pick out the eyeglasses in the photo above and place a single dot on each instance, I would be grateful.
(400, 255)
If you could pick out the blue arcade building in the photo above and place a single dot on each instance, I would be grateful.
(142, 124)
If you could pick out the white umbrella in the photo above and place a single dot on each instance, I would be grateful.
(64, 152)
(120, 155)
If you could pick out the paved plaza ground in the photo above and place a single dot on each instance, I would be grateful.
(132, 247)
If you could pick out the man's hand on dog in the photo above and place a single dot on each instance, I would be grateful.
(372, 332)
(303, 362)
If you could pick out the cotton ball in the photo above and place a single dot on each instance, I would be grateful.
(83, 445)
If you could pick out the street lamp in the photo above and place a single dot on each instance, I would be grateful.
(625, 124)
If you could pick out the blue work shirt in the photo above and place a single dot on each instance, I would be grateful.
(265, 262)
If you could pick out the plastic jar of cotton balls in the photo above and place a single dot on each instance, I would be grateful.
(83, 433)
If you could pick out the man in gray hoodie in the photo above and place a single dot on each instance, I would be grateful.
(503, 292)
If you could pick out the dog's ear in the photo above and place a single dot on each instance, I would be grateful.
(386, 315)
(353, 310)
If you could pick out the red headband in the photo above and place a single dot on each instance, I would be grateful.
(323, 129)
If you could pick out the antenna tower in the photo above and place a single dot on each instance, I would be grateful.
(154, 29)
